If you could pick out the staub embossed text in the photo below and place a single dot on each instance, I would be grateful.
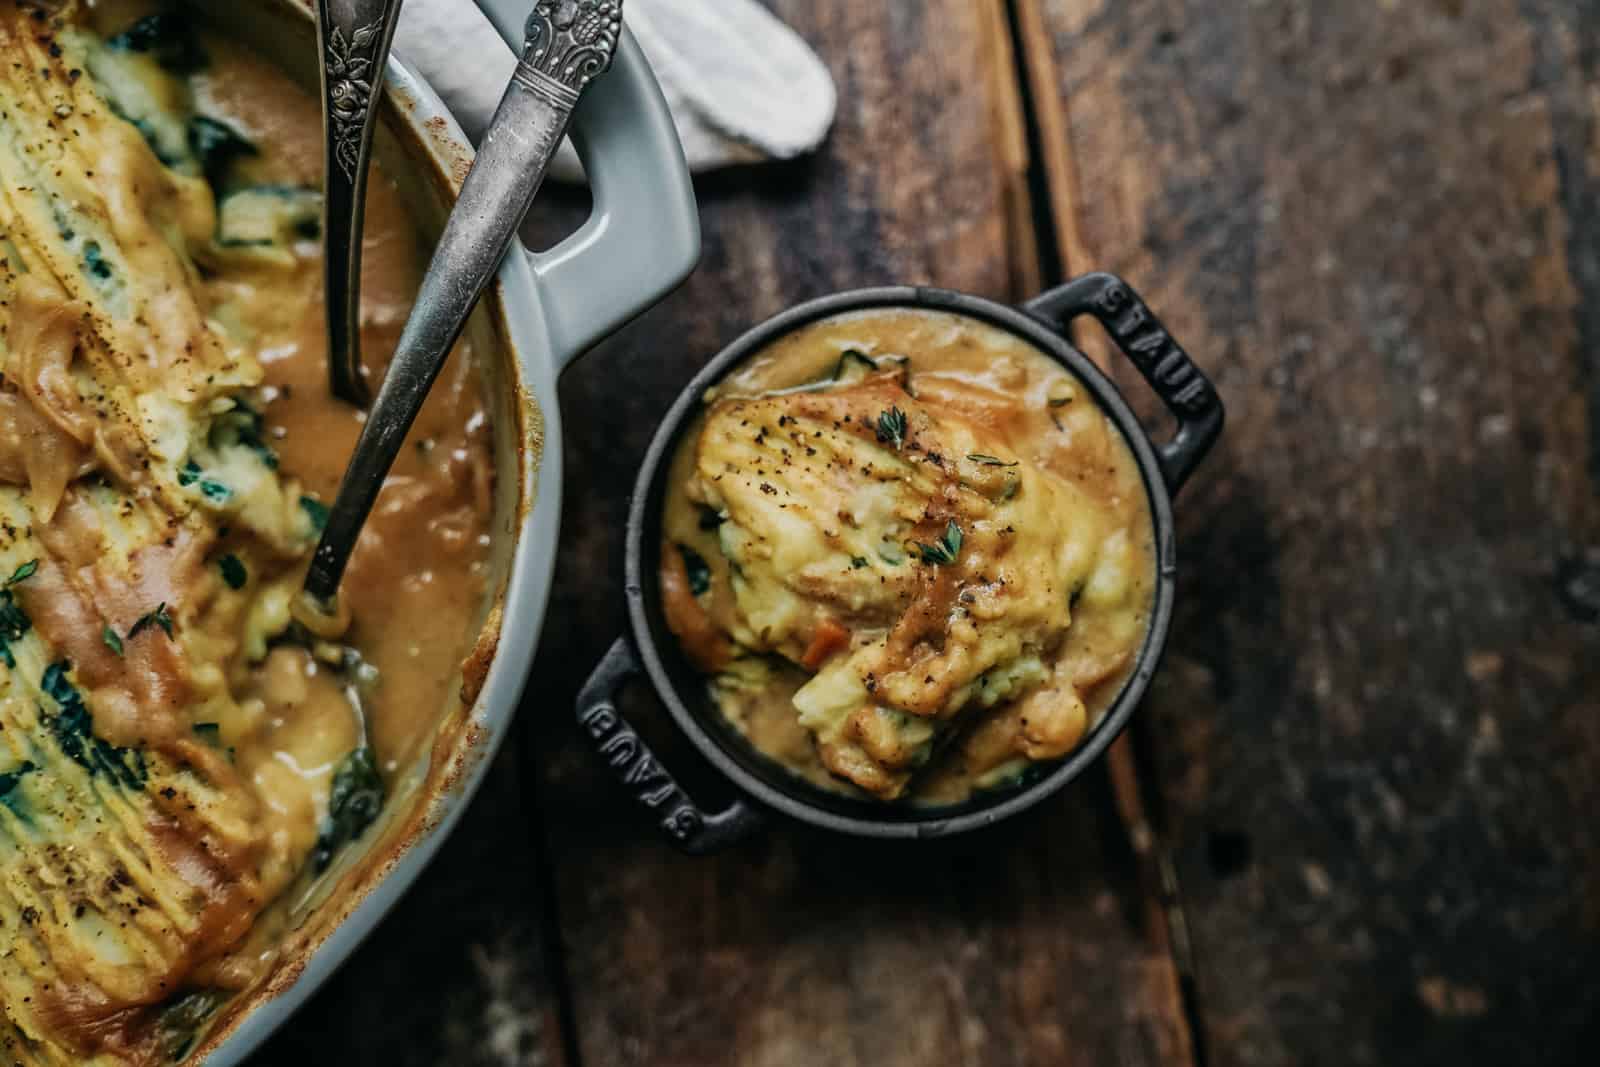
(640, 771)
(1166, 366)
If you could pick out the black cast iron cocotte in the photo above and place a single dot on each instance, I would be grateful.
(761, 785)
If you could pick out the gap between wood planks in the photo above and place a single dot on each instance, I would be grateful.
(563, 1049)
(1052, 221)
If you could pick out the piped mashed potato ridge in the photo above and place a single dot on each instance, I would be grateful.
(911, 554)
(175, 754)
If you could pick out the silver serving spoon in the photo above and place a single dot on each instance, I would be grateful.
(569, 43)
(355, 36)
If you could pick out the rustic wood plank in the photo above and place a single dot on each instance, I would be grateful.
(1032, 946)
(1376, 731)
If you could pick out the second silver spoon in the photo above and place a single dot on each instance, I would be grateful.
(355, 36)
(569, 43)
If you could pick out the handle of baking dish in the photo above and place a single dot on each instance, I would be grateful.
(1180, 384)
(692, 829)
(643, 236)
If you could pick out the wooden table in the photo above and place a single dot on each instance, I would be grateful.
(1356, 823)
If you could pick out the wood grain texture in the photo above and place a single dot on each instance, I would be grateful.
(1378, 729)
(1031, 946)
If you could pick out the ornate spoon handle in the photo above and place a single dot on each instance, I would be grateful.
(569, 43)
(355, 37)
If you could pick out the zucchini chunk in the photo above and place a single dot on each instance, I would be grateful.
(853, 366)
(266, 220)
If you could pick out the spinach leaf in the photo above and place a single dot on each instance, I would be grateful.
(9, 782)
(73, 728)
(698, 569)
(94, 262)
(242, 426)
(181, 1020)
(233, 571)
(353, 803)
(168, 38)
(14, 622)
(55, 685)
(210, 488)
(318, 512)
(215, 491)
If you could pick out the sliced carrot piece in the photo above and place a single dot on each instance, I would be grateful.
(830, 637)
(706, 646)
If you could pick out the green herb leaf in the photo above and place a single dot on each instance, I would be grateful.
(243, 427)
(189, 473)
(317, 510)
(158, 617)
(94, 262)
(944, 550)
(698, 569)
(991, 461)
(233, 571)
(892, 427)
(353, 803)
(209, 732)
(1060, 401)
(858, 562)
(214, 491)
(113, 642)
(23, 573)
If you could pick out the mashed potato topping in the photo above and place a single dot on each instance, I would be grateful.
(175, 753)
(937, 558)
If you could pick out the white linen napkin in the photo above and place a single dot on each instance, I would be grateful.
(742, 86)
